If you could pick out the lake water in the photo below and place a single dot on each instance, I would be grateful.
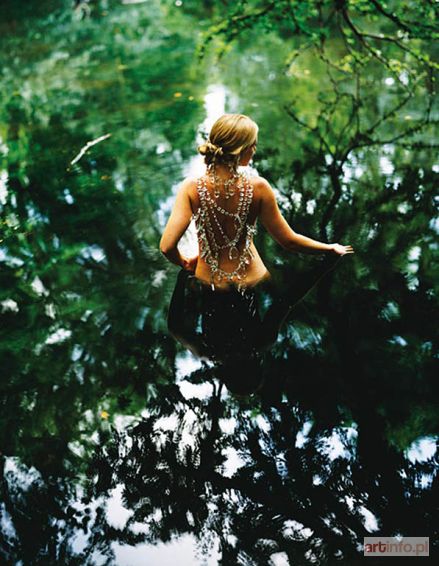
(119, 445)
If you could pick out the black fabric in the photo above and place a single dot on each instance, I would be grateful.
(230, 322)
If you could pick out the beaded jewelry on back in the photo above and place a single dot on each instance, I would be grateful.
(208, 215)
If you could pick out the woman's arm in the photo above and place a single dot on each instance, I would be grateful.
(282, 232)
(176, 226)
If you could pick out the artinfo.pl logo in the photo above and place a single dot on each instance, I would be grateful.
(396, 546)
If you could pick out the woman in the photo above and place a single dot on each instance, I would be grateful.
(226, 204)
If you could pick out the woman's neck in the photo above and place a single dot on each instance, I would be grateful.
(222, 171)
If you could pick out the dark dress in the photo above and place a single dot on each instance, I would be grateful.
(229, 320)
(233, 327)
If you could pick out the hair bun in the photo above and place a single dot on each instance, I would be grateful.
(210, 148)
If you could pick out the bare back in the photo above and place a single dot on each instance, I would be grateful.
(255, 269)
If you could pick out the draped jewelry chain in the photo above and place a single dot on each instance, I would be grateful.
(228, 184)
(207, 216)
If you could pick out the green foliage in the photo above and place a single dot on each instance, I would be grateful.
(344, 94)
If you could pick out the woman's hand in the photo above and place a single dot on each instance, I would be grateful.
(342, 250)
(189, 263)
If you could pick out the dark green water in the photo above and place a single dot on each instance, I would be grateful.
(114, 438)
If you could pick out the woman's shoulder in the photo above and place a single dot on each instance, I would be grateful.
(189, 188)
(189, 185)
(189, 182)
(260, 185)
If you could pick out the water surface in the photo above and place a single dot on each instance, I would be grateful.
(119, 446)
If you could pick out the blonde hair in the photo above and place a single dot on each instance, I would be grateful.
(229, 137)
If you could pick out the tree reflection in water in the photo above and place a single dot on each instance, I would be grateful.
(285, 496)
(90, 399)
